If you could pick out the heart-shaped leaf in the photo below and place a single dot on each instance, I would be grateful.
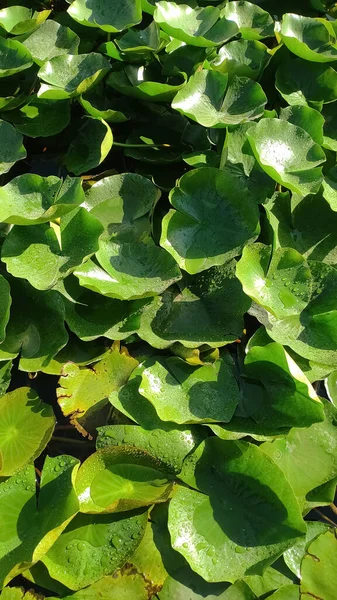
(207, 100)
(192, 233)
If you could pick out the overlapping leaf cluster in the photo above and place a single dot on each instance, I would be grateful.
(168, 292)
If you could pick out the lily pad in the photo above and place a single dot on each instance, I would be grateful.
(142, 83)
(90, 147)
(123, 14)
(288, 154)
(185, 394)
(311, 39)
(207, 99)
(26, 426)
(293, 557)
(94, 546)
(101, 102)
(81, 388)
(203, 526)
(49, 40)
(13, 57)
(19, 19)
(70, 75)
(31, 199)
(195, 234)
(194, 26)
(302, 82)
(318, 562)
(38, 118)
(308, 118)
(118, 478)
(244, 58)
(28, 530)
(201, 312)
(252, 21)
(12, 148)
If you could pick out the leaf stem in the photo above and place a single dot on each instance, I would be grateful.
(323, 516)
(65, 440)
(142, 145)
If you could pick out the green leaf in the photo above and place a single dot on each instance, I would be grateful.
(293, 557)
(318, 568)
(311, 39)
(13, 57)
(201, 312)
(303, 82)
(195, 26)
(192, 234)
(120, 478)
(123, 585)
(101, 103)
(286, 592)
(90, 147)
(38, 332)
(169, 447)
(91, 315)
(38, 118)
(207, 99)
(221, 534)
(30, 199)
(308, 118)
(174, 588)
(244, 58)
(330, 127)
(129, 270)
(5, 376)
(307, 458)
(49, 40)
(81, 388)
(141, 41)
(19, 19)
(288, 154)
(148, 561)
(78, 352)
(12, 148)
(26, 426)
(280, 282)
(185, 394)
(5, 303)
(122, 15)
(252, 21)
(140, 83)
(278, 393)
(28, 530)
(94, 546)
(70, 75)
(37, 254)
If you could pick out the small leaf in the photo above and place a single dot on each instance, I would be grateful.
(90, 147)
(12, 148)
(94, 546)
(194, 26)
(26, 426)
(119, 478)
(122, 15)
(207, 100)
(193, 235)
(288, 154)
(81, 388)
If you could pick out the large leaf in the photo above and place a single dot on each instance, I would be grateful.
(90, 147)
(185, 394)
(212, 222)
(303, 82)
(201, 312)
(19, 19)
(121, 15)
(81, 388)
(245, 58)
(308, 458)
(288, 154)
(207, 99)
(119, 478)
(49, 40)
(253, 22)
(13, 57)
(26, 426)
(28, 530)
(70, 75)
(94, 546)
(221, 534)
(129, 270)
(38, 332)
(34, 253)
(30, 199)
(38, 118)
(194, 26)
(12, 148)
(311, 39)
